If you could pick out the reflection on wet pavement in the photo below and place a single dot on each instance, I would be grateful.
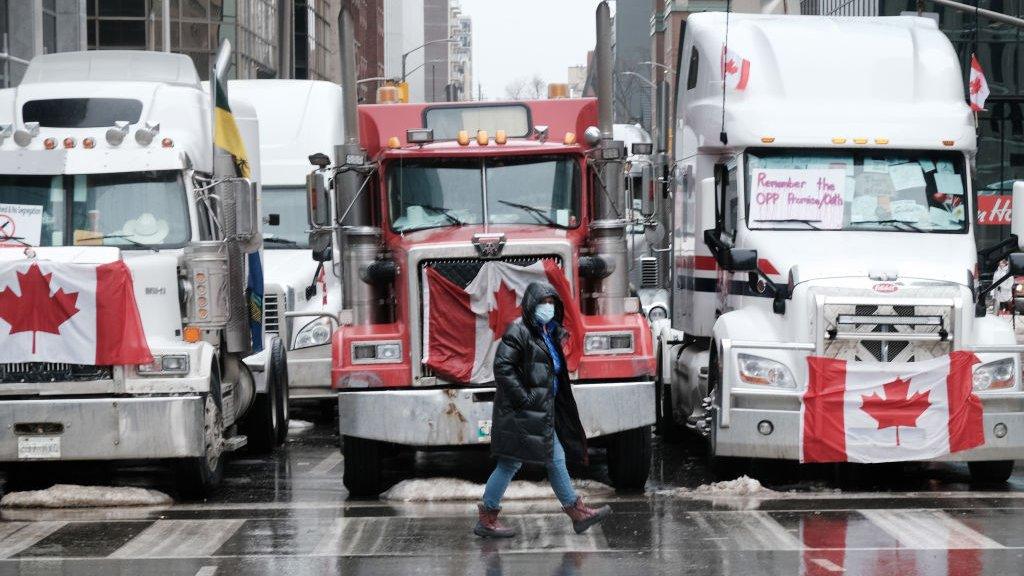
(289, 514)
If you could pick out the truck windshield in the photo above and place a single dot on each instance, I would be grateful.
(126, 209)
(430, 193)
(897, 191)
(284, 217)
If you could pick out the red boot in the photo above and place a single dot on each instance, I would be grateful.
(489, 527)
(583, 517)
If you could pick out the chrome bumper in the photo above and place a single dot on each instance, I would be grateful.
(462, 416)
(105, 428)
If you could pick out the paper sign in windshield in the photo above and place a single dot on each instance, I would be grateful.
(813, 195)
(20, 224)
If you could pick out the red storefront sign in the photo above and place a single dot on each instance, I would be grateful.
(994, 210)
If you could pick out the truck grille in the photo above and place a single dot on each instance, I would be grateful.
(273, 311)
(36, 372)
(887, 333)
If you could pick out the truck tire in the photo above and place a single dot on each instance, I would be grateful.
(665, 423)
(991, 471)
(629, 458)
(262, 424)
(197, 477)
(283, 402)
(362, 476)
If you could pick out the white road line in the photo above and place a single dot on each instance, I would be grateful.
(928, 530)
(745, 531)
(327, 464)
(17, 536)
(179, 539)
(207, 571)
(828, 565)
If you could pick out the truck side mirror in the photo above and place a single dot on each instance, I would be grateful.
(320, 243)
(1016, 263)
(648, 203)
(741, 260)
(1017, 213)
(239, 198)
(318, 203)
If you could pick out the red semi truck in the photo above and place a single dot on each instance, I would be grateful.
(437, 216)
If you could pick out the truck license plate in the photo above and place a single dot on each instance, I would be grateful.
(38, 447)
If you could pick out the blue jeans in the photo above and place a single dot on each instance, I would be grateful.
(506, 469)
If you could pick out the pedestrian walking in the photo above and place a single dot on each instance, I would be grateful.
(535, 417)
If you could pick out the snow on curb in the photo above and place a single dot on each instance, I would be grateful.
(452, 490)
(74, 496)
(299, 425)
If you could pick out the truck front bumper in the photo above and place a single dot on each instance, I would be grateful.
(462, 416)
(101, 428)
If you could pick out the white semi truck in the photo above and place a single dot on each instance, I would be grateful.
(297, 119)
(884, 271)
(114, 152)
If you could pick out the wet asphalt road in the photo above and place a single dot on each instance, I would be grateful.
(288, 514)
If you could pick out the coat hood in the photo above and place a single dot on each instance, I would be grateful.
(535, 292)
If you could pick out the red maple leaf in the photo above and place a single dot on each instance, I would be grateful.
(896, 409)
(35, 310)
(976, 85)
(730, 67)
(504, 312)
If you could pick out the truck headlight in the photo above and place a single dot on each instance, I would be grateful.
(764, 372)
(657, 313)
(608, 343)
(994, 375)
(165, 365)
(376, 352)
(315, 333)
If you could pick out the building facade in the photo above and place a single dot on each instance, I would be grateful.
(576, 77)
(403, 45)
(31, 27)
(633, 85)
(460, 53)
(436, 52)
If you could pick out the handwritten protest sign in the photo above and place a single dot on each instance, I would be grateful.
(20, 223)
(816, 195)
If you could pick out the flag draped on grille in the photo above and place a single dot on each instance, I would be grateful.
(69, 313)
(890, 412)
(463, 326)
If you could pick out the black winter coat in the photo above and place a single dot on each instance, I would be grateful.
(525, 413)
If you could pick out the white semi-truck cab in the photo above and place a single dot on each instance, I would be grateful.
(297, 119)
(108, 157)
(823, 206)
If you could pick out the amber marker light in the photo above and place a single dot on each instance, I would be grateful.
(881, 141)
(948, 142)
(500, 137)
(191, 334)
(860, 140)
(767, 139)
(463, 138)
(394, 142)
(89, 143)
(570, 138)
(50, 143)
(839, 140)
(69, 142)
(167, 143)
(481, 138)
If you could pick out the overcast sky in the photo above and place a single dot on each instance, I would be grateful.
(520, 38)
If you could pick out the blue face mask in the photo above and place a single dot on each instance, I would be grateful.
(544, 313)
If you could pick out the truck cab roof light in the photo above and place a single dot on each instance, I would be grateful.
(144, 136)
(570, 138)
(764, 139)
(482, 138)
(839, 140)
(167, 143)
(881, 141)
(860, 140)
(948, 142)
(23, 136)
(89, 143)
(394, 143)
(500, 137)
(69, 142)
(419, 136)
(463, 138)
(116, 134)
(50, 143)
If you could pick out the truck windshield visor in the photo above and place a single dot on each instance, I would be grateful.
(284, 227)
(534, 190)
(127, 209)
(894, 191)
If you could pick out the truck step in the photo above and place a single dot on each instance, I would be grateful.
(235, 443)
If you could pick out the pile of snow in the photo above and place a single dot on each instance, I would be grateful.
(742, 486)
(74, 496)
(452, 489)
(299, 425)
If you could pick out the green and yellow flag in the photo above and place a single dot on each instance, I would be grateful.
(225, 131)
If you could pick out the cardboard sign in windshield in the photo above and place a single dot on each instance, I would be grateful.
(20, 224)
(815, 195)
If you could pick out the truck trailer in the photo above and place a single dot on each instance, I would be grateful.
(882, 270)
(443, 214)
(109, 174)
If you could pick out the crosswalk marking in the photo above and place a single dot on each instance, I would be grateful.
(17, 536)
(179, 539)
(207, 571)
(828, 565)
(744, 531)
(330, 462)
(928, 530)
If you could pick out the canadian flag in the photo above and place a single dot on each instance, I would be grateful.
(735, 69)
(69, 313)
(463, 326)
(978, 86)
(891, 412)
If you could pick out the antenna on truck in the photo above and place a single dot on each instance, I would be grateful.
(725, 50)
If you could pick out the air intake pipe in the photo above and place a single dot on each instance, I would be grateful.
(609, 230)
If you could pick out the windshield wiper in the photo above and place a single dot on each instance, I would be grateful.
(540, 213)
(121, 237)
(809, 223)
(890, 221)
(446, 212)
(275, 240)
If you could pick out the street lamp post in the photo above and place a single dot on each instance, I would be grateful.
(438, 41)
